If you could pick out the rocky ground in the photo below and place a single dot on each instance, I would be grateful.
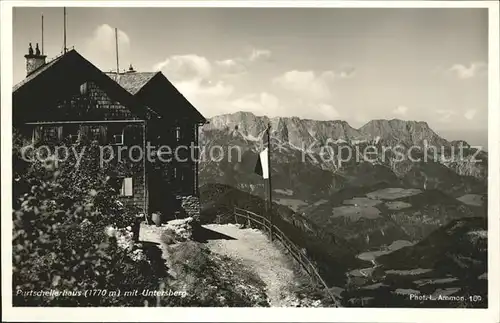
(253, 249)
(224, 265)
(200, 277)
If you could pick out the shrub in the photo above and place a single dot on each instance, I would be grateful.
(59, 241)
(168, 236)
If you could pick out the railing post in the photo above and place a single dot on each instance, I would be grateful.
(271, 223)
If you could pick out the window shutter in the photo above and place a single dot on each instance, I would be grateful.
(60, 133)
(84, 132)
(37, 134)
(103, 135)
(127, 187)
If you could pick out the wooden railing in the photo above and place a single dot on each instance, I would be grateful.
(251, 219)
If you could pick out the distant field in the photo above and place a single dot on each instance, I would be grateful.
(397, 205)
(287, 192)
(472, 199)
(294, 204)
(362, 201)
(354, 213)
(393, 193)
(396, 245)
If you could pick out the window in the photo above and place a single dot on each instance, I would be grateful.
(117, 140)
(178, 134)
(94, 133)
(71, 133)
(127, 187)
(116, 136)
(73, 139)
(50, 134)
(122, 185)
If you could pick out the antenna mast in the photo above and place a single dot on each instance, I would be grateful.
(42, 35)
(116, 43)
(65, 48)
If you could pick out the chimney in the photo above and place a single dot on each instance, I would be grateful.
(34, 60)
(131, 69)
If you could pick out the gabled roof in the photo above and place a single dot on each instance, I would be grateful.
(132, 81)
(146, 93)
(161, 95)
(45, 85)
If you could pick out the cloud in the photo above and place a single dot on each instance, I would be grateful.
(266, 103)
(307, 84)
(310, 94)
(261, 104)
(198, 80)
(185, 67)
(445, 115)
(207, 85)
(206, 89)
(400, 110)
(239, 65)
(465, 72)
(209, 97)
(100, 48)
(328, 111)
(470, 114)
(257, 54)
(231, 67)
(342, 73)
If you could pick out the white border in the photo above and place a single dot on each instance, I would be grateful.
(255, 314)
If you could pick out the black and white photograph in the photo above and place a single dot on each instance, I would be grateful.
(239, 156)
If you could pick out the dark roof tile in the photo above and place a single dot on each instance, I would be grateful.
(132, 81)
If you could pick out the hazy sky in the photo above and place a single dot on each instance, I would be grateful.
(350, 64)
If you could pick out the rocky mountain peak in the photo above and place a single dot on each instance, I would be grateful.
(293, 130)
(305, 132)
(403, 131)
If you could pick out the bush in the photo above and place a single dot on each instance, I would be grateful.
(59, 240)
(212, 280)
(168, 236)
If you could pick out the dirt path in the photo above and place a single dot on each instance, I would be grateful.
(252, 248)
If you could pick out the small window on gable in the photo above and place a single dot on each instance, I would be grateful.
(178, 134)
(84, 88)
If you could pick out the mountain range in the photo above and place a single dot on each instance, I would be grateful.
(298, 132)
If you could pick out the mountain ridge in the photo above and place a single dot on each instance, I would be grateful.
(289, 129)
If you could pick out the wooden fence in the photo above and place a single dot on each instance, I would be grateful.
(251, 219)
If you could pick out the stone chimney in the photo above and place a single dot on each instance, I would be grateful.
(131, 69)
(34, 60)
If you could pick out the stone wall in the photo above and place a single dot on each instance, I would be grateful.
(191, 206)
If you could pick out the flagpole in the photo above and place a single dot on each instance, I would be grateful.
(269, 186)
